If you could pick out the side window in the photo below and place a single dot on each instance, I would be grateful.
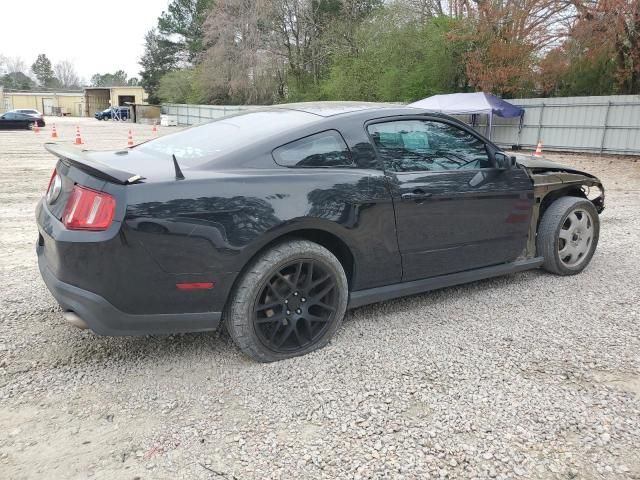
(10, 116)
(326, 149)
(424, 145)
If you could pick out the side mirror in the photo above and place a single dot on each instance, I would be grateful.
(503, 161)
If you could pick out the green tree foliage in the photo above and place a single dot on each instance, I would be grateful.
(419, 61)
(583, 75)
(178, 87)
(158, 59)
(17, 81)
(183, 21)
(594, 77)
(265, 51)
(43, 71)
(308, 33)
(116, 79)
(177, 42)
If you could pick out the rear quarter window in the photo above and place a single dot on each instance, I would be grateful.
(210, 141)
(324, 149)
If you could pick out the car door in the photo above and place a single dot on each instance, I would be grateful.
(7, 121)
(22, 121)
(454, 209)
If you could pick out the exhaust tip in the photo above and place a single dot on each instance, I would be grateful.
(73, 319)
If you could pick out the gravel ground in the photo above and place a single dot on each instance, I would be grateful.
(525, 376)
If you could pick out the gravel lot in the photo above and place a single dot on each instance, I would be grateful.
(526, 376)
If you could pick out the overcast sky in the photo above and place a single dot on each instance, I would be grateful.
(83, 31)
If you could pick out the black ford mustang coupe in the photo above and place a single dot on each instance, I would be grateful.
(275, 221)
(16, 120)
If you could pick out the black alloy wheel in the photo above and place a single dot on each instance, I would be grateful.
(295, 306)
(289, 301)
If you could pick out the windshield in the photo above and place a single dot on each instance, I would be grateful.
(203, 143)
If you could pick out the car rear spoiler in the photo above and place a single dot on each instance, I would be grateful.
(80, 159)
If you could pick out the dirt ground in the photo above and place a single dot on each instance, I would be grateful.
(529, 376)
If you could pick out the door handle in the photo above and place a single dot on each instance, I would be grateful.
(415, 195)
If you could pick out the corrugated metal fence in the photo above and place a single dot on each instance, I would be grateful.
(608, 124)
(194, 114)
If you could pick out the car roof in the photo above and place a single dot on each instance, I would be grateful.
(326, 110)
(330, 109)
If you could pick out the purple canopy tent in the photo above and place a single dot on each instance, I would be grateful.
(471, 104)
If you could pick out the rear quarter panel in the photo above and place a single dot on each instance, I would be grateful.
(216, 224)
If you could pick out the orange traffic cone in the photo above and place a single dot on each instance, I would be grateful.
(154, 129)
(538, 152)
(130, 139)
(36, 127)
(54, 133)
(78, 137)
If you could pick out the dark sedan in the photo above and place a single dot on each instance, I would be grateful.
(14, 121)
(274, 222)
(120, 113)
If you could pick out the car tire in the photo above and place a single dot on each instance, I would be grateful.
(31, 125)
(568, 235)
(289, 301)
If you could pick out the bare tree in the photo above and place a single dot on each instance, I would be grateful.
(239, 66)
(66, 74)
(15, 65)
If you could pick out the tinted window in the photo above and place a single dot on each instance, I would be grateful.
(420, 145)
(326, 149)
(10, 116)
(207, 142)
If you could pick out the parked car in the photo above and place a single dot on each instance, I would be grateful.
(274, 222)
(108, 114)
(13, 120)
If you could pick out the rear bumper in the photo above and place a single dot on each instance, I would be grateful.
(105, 319)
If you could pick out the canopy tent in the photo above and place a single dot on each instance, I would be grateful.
(471, 104)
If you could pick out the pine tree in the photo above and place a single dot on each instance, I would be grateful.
(43, 71)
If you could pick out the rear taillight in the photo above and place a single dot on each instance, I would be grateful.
(88, 210)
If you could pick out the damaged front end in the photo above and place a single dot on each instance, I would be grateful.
(552, 181)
